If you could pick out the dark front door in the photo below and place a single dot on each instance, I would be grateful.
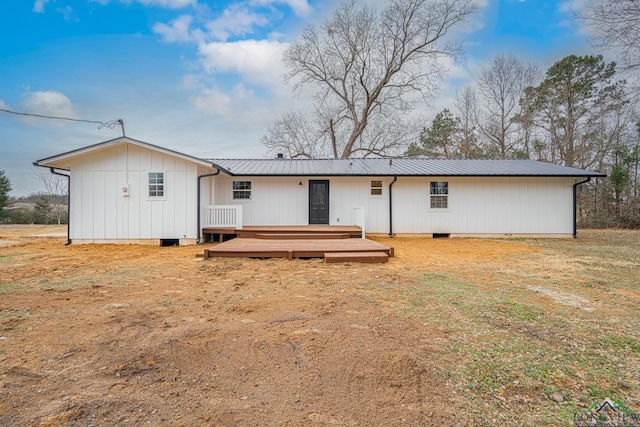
(318, 202)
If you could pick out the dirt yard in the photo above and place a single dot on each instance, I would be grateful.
(449, 332)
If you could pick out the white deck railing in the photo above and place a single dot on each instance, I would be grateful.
(359, 218)
(230, 216)
(222, 216)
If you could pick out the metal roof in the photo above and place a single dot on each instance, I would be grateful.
(346, 167)
(60, 161)
(395, 167)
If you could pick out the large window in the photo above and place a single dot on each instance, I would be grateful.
(156, 184)
(241, 190)
(439, 192)
(376, 188)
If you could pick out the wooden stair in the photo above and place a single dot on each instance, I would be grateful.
(333, 243)
(368, 257)
(298, 236)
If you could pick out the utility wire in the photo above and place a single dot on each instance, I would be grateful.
(110, 124)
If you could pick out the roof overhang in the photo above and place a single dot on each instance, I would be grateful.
(397, 167)
(63, 161)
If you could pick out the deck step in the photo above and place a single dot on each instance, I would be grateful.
(370, 257)
(301, 236)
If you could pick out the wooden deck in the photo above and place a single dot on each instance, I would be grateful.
(254, 230)
(332, 243)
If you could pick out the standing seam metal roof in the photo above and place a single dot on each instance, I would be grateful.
(395, 167)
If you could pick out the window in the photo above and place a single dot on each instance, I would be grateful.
(376, 188)
(439, 192)
(156, 184)
(241, 190)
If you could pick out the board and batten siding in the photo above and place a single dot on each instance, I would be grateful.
(283, 201)
(486, 205)
(101, 212)
(476, 205)
(274, 201)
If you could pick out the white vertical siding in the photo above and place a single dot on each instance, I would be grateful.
(486, 205)
(282, 201)
(274, 201)
(101, 211)
(476, 205)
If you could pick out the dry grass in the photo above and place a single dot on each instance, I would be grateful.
(451, 332)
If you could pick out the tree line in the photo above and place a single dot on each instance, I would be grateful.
(46, 207)
(368, 70)
(579, 114)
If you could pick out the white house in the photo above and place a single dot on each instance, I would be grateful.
(129, 191)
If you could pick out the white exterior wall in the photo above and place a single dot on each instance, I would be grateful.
(274, 201)
(486, 205)
(477, 206)
(101, 212)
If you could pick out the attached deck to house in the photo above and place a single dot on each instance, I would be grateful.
(333, 243)
(265, 231)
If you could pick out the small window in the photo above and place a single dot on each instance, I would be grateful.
(156, 184)
(376, 188)
(439, 192)
(241, 190)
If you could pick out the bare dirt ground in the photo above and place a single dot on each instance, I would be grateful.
(449, 332)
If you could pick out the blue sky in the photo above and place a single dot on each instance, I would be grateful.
(201, 77)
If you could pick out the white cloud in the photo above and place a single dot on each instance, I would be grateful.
(236, 20)
(38, 6)
(169, 4)
(259, 62)
(239, 106)
(177, 32)
(299, 7)
(49, 103)
(68, 13)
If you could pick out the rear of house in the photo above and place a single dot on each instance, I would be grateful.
(404, 196)
(129, 191)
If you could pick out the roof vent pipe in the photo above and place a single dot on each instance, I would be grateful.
(280, 156)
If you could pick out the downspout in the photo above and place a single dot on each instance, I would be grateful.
(395, 178)
(53, 171)
(575, 206)
(199, 178)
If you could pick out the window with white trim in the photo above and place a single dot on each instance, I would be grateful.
(376, 188)
(241, 190)
(439, 194)
(156, 184)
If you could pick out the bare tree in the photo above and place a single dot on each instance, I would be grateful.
(55, 190)
(617, 26)
(501, 87)
(291, 135)
(467, 104)
(366, 66)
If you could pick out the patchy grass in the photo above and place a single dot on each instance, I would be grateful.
(544, 336)
(521, 332)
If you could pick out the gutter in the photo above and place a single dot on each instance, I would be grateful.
(53, 171)
(395, 178)
(199, 233)
(575, 206)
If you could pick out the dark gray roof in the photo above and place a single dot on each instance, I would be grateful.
(396, 167)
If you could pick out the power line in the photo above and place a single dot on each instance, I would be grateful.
(110, 124)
